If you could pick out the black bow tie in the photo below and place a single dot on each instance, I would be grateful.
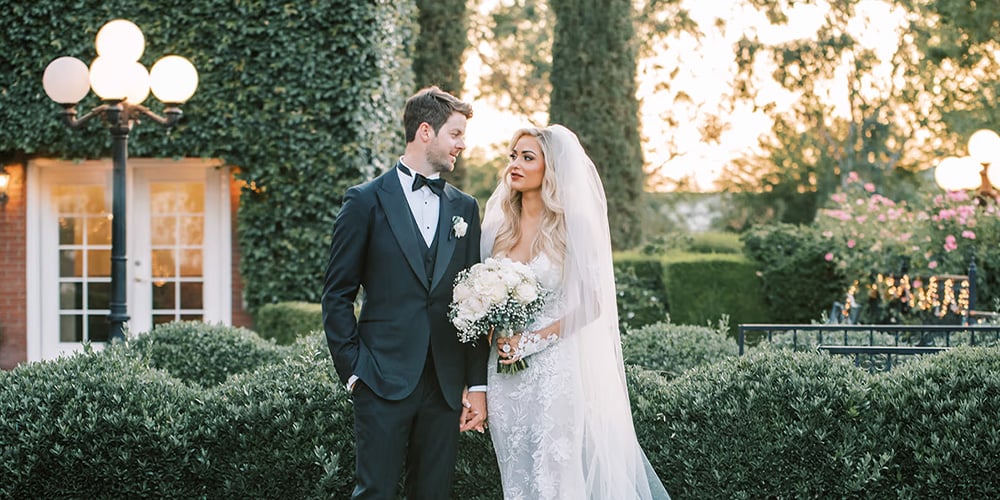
(436, 185)
(419, 181)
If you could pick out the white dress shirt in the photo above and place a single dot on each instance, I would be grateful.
(424, 204)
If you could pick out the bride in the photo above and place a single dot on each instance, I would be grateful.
(562, 427)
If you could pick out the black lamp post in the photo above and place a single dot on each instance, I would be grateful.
(122, 83)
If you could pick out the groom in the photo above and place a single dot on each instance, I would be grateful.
(403, 237)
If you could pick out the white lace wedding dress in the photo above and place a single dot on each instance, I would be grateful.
(537, 443)
(562, 428)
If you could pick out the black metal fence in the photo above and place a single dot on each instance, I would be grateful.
(873, 346)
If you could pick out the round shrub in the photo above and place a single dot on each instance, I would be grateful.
(672, 349)
(284, 430)
(97, 425)
(205, 354)
(286, 321)
(476, 472)
(937, 421)
(764, 425)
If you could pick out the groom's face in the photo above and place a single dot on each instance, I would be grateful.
(446, 145)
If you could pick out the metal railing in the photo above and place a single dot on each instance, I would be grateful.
(905, 335)
(869, 340)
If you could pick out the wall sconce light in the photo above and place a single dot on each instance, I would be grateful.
(4, 182)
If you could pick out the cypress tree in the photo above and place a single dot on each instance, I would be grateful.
(442, 41)
(593, 93)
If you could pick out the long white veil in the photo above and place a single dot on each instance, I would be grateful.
(613, 463)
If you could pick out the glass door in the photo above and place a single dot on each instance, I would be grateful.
(178, 249)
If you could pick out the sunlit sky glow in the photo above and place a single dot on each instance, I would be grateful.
(705, 77)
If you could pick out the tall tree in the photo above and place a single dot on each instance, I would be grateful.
(886, 108)
(959, 41)
(514, 42)
(441, 44)
(853, 110)
(440, 47)
(594, 94)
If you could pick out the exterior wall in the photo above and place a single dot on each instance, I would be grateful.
(240, 315)
(13, 278)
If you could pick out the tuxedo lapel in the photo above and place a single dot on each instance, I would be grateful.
(397, 212)
(446, 240)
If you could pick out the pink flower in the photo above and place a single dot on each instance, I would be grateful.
(828, 257)
(950, 243)
(839, 197)
(851, 243)
(969, 235)
(869, 187)
(932, 264)
(852, 177)
(958, 195)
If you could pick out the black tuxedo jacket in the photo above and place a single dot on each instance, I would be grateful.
(377, 247)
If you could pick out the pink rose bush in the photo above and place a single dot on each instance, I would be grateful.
(906, 256)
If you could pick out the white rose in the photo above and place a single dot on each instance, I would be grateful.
(475, 309)
(462, 292)
(526, 293)
(510, 277)
(459, 226)
(494, 292)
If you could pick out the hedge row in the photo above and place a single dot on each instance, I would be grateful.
(693, 288)
(287, 321)
(769, 424)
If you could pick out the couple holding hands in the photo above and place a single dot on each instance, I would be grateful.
(562, 427)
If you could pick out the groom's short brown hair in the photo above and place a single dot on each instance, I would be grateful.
(433, 106)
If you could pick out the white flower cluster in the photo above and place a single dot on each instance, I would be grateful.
(497, 293)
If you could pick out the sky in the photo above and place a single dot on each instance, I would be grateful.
(706, 70)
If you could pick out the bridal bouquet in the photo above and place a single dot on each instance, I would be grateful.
(499, 295)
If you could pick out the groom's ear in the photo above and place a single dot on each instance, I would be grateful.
(425, 132)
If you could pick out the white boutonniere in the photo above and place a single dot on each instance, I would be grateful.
(459, 226)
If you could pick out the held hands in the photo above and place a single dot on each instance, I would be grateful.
(473, 412)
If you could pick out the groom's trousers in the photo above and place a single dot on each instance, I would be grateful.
(420, 431)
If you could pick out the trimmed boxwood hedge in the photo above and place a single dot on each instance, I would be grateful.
(693, 288)
(286, 321)
(205, 354)
(673, 349)
(936, 421)
(771, 424)
(97, 425)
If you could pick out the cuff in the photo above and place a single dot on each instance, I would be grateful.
(477, 388)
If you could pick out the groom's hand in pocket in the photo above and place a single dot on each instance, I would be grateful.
(473, 412)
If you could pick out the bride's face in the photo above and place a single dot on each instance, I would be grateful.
(527, 165)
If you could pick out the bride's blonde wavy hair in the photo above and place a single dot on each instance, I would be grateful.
(551, 238)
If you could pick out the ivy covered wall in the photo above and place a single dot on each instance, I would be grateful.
(304, 97)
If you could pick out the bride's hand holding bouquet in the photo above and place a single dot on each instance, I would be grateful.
(498, 297)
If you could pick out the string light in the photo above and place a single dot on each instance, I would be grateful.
(938, 297)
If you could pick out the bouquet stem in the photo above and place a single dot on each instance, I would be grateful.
(511, 368)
